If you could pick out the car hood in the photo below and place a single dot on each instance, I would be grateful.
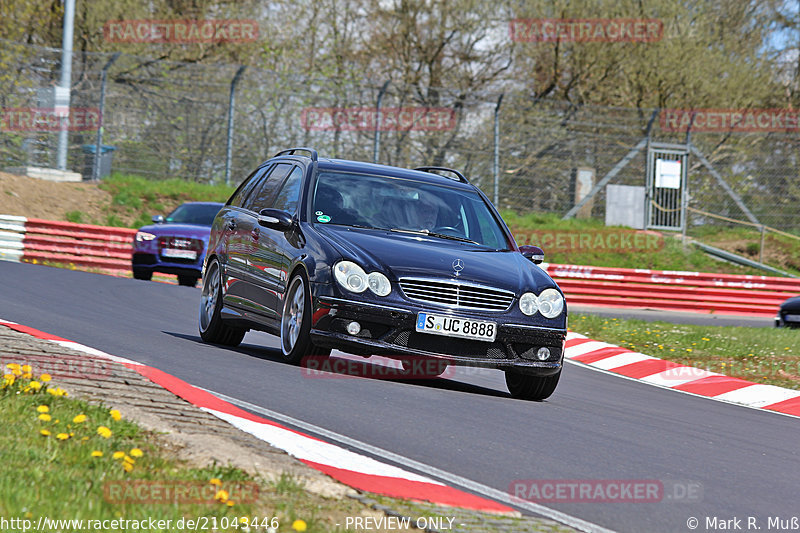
(407, 255)
(181, 230)
(792, 304)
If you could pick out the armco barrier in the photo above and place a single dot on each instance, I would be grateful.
(673, 290)
(102, 248)
(109, 249)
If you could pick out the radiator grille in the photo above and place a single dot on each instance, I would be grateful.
(456, 294)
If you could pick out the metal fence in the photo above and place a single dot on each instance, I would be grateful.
(169, 119)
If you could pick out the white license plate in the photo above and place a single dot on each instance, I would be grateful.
(451, 326)
(792, 318)
(179, 254)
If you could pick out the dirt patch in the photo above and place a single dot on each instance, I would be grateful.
(51, 200)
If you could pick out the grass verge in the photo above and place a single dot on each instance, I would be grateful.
(65, 459)
(755, 354)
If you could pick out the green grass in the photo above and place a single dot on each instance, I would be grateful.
(75, 216)
(754, 354)
(134, 199)
(779, 251)
(591, 242)
(44, 476)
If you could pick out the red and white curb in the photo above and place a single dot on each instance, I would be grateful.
(648, 369)
(352, 469)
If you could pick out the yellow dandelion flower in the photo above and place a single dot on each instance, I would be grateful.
(62, 436)
(97, 453)
(127, 467)
(84, 439)
(44, 432)
(17, 372)
(129, 459)
(104, 432)
(136, 452)
(27, 369)
(43, 409)
(688, 349)
(81, 418)
(35, 385)
(118, 455)
(45, 378)
(27, 375)
(44, 417)
(230, 503)
(215, 481)
(299, 525)
(13, 366)
(115, 415)
(221, 496)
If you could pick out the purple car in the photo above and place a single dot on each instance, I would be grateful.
(175, 244)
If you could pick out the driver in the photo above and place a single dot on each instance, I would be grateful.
(427, 212)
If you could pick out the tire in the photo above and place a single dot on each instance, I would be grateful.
(526, 387)
(296, 323)
(187, 280)
(212, 328)
(143, 274)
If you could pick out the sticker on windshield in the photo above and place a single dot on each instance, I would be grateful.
(318, 213)
(323, 218)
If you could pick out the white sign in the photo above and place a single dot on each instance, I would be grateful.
(668, 174)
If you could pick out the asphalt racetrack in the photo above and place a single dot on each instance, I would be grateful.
(714, 460)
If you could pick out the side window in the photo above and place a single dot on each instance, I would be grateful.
(289, 196)
(264, 193)
(237, 199)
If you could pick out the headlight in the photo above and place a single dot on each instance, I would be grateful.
(379, 284)
(351, 276)
(551, 303)
(144, 236)
(528, 304)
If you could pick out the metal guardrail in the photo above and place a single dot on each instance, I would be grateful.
(101, 248)
(109, 249)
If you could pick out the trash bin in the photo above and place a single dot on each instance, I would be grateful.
(106, 155)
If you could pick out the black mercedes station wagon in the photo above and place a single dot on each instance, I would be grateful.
(378, 260)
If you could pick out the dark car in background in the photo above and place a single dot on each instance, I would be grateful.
(378, 260)
(789, 314)
(175, 244)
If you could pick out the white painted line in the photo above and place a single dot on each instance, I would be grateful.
(92, 351)
(473, 486)
(318, 451)
(758, 395)
(622, 359)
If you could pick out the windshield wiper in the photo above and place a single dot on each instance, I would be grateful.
(434, 234)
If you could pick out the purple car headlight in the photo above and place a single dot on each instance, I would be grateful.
(142, 236)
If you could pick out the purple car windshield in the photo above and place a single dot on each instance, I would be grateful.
(198, 214)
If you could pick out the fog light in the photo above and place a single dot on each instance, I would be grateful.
(354, 328)
(543, 354)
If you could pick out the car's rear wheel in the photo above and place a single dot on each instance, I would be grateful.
(296, 323)
(527, 387)
(187, 280)
(143, 274)
(212, 328)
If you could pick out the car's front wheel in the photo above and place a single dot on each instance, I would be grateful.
(296, 323)
(527, 387)
(212, 328)
(188, 280)
(143, 274)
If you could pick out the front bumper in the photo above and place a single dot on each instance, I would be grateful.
(390, 332)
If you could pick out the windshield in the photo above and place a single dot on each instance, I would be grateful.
(199, 214)
(400, 204)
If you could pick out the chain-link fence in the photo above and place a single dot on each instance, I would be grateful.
(169, 119)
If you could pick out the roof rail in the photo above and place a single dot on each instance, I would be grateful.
(459, 176)
(291, 151)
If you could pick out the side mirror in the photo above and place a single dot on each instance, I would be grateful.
(534, 253)
(158, 219)
(275, 219)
